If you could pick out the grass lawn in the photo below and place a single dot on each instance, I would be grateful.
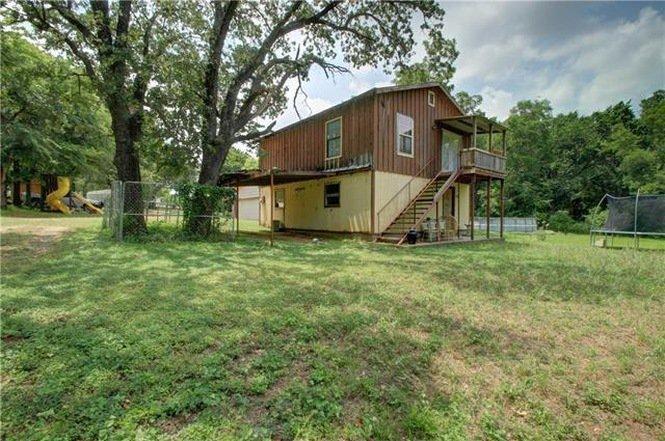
(537, 338)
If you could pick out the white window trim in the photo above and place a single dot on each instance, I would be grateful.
(397, 135)
(431, 102)
(341, 138)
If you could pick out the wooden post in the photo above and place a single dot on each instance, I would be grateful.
(501, 208)
(438, 224)
(272, 206)
(457, 210)
(237, 206)
(472, 204)
(475, 131)
(487, 207)
(503, 142)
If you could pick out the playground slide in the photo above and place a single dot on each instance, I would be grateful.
(54, 199)
(86, 203)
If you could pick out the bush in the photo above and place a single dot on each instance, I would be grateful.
(596, 218)
(562, 222)
(202, 207)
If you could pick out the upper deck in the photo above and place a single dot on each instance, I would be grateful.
(484, 148)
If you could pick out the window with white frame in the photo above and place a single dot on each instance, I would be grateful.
(334, 138)
(431, 98)
(404, 132)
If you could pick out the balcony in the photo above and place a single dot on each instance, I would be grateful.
(477, 160)
(479, 136)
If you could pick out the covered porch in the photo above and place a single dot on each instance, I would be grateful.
(304, 200)
(484, 149)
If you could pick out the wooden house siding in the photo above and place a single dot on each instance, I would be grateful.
(427, 138)
(368, 126)
(303, 147)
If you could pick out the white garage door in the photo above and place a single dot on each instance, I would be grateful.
(249, 209)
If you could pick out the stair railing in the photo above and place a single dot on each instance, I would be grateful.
(404, 192)
(446, 185)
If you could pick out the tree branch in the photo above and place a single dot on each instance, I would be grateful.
(71, 18)
(255, 134)
(282, 28)
(38, 19)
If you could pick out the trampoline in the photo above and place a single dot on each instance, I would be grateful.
(636, 216)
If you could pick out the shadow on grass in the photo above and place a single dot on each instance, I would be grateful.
(238, 337)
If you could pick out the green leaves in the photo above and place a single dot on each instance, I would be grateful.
(51, 123)
(569, 161)
(202, 205)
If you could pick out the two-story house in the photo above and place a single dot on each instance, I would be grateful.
(381, 163)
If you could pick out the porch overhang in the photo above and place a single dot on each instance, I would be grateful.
(464, 125)
(261, 178)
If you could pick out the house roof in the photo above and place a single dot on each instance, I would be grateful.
(464, 124)
(261, 178)
(374, 91)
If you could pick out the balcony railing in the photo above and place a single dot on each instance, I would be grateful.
(482, 159)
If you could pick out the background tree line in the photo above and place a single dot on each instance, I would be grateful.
(567, 162)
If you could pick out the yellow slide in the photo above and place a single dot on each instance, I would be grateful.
(86, 203)
(53, 199)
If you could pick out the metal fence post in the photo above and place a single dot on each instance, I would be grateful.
(637, 197)
(121, 209)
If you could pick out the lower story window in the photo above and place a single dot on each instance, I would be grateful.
(331, 195)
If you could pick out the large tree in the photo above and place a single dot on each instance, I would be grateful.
(254, 49)
(117, 45)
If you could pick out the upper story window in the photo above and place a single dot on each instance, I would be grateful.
(431, 98)
(334, 138)
(404, 129)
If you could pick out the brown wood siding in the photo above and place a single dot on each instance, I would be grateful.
(427, 138)
(368, 125)
(303, 146)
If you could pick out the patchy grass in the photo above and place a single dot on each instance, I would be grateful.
(32, 213)
(532, 339)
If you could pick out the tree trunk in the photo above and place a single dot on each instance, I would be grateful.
(16, 194)
(50, 185)
(126, 160)
(3, 188)
(211, 162)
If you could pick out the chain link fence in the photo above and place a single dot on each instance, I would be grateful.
(510, 224)
(145, 207)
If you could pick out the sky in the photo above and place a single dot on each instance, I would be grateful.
(581, 56)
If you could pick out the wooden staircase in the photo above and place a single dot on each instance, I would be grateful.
(416, 211)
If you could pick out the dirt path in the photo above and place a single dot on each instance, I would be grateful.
(36, 235)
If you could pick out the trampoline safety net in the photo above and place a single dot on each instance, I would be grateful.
(640, 214)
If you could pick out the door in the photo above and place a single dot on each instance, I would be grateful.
(450, 147)
(280, 205)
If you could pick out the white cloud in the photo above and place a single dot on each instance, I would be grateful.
(585, 63)
(497, 102)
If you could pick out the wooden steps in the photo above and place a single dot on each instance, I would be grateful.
(416, 211)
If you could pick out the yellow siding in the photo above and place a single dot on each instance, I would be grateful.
(304, 210)
(463, 214)
(387, 185)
